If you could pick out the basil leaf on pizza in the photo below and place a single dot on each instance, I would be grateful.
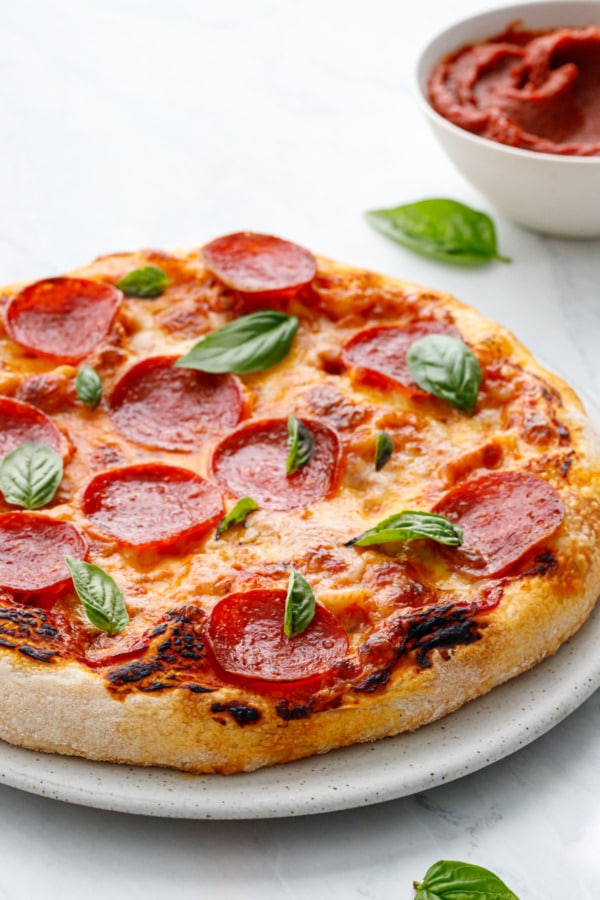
(410, 525)
(102, 600)
(30, 475)
(445, 367)
(251, 343)
(384, 447)
(450, 880)
(442, 229)
(237, 515)
(299, 605)
(88, 386)
(147, 282)
(301, 445)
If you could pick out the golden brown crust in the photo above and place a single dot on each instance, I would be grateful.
(424, 637)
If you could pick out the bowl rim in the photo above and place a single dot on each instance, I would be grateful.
(420, 81)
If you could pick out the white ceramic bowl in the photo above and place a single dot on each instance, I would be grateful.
(558, 195)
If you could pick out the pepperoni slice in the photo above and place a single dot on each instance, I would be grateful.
(33, 549)
(251, 462)
(21, 422)
(159, 405)
(503, 515)
(151, 505)
(248, 642)
(62, 319)
(379, 353)
(259, 263)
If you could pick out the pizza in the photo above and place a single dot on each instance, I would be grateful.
(257, 505)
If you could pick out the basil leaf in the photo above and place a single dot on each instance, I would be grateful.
(249, 344)
(299, 605)
(440, 228)
(446, 368)
(88, 386)
(237, 515)
(448, 880)
(147, 282)
(301, 446)
(102, 600)
(30, 475)
(384, 447)
(409, 525)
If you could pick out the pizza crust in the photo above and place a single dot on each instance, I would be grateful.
(66, 707)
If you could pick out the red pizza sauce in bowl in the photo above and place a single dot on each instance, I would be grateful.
(513, 97)
(535, 90)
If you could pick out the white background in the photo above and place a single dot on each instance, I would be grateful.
(151, 123)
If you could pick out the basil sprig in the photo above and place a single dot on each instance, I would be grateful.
(30, 475)
(384, 447)
(409, 525)
(301, 445)
(299, 605)
(449, 880)
(102, 600)
(251, 343)
(442, 229)
(445, 367)
(147, 282)
(88, 386)
(237, 515)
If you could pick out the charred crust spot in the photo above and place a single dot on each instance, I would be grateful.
(566, 463)
(175, 656)
(373, 682)
(443, 630)
(290, 713)
(35, 633)
(132, 672)
(239, 712)
(154, 686)
(415, 635)
(36, 653)
(198, 688)
(543, 564)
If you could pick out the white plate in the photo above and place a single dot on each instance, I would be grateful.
(482, 732)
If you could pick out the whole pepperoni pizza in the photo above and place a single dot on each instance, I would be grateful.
(256, 505)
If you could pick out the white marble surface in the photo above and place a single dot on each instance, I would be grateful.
(147, 122)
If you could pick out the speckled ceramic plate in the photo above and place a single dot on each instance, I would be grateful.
(482, 732)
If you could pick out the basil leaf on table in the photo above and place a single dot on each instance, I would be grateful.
(299, 605)
(410, 525)
(102, 600)
(30, 475)
(450, 880)
(147, 282)
(442, 229)
(301, 446)
(251, 343)
(384, 447)
(445, 367)
(88, 386)
(237, 515)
